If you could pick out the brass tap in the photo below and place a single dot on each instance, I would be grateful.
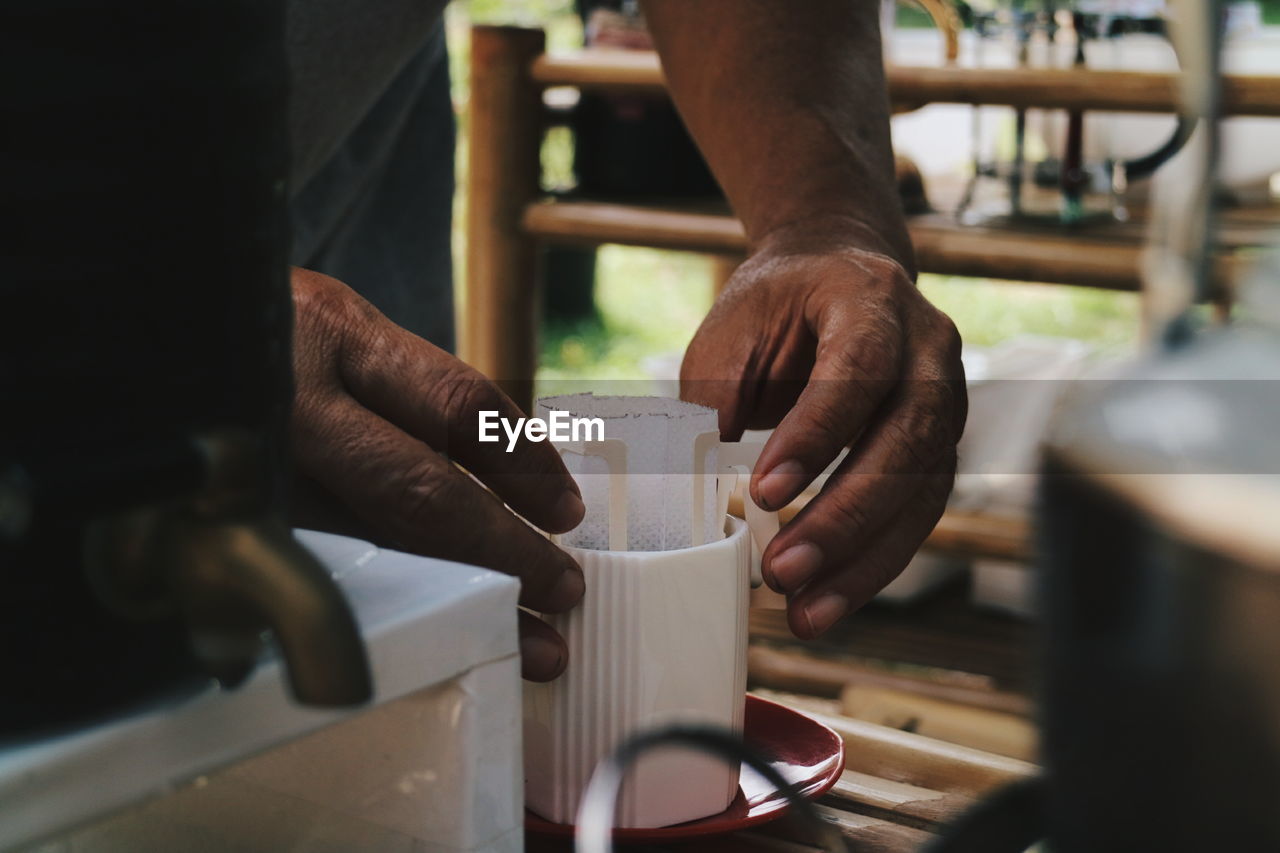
(228, 564)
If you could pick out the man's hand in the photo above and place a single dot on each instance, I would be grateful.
(788, 103)
(833, 344)
(379, 418)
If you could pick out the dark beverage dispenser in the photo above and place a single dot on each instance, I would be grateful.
(145, 363)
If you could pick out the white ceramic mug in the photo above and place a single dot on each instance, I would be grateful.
(660, 637)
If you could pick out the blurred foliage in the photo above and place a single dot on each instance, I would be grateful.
(989, 312)
(650, 304)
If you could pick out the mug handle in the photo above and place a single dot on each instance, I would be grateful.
(737, 461)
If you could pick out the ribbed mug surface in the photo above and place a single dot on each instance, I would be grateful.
(660, 637)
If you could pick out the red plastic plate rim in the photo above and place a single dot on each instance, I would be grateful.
(827, 761)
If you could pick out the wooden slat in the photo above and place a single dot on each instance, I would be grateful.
(960, 533)
(911, 759)
(981, 728)
(862, 833)
(942, 633)
(602, 69)
(910, 805)
(791, 670)
(873, 835)
(1121, 91)
(946, 247)
(748, 842)
(925, 762)
(980, 535)
(592, 222)
(1124, 91)
(942, 246)
(798, 701)
(738, 842)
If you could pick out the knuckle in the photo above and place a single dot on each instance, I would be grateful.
(937, 489)
(334, 324)
(320, 301)
(540, 577)
(948, 370)
(922, 437)
(865, 345)
(423, 489)
(959, 408)
(827, 427)
(874, 356)
(884, 267)
(847, 512)
(935, 415)
(940, 343)
(953, 344)
(464, 392)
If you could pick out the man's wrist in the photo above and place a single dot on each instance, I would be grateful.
(825, 232)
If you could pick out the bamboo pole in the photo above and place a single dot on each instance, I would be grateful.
(923, 761)
(797, 672)
(954, 722)
(912, 759)
(500, 334)
(591, 223)
(960, 533)
(897, 801)
(942, 246)
(1072, 89)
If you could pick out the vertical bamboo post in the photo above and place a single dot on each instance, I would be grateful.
(500, 333)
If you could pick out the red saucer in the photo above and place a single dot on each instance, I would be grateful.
(808, 755)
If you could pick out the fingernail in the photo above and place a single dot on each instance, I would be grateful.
(795, 566)
(824, 611)
(540, 658)
(783, 482)
(567, 592)
(569, 512)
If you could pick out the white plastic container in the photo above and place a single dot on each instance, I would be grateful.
(432, 764)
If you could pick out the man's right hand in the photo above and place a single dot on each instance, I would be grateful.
(379, 418)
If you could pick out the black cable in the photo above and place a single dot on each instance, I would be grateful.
(595, 814)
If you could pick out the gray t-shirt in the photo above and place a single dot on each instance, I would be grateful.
(372, 127)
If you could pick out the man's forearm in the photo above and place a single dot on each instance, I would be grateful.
(788, 103)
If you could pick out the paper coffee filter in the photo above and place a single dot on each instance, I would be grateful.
(659, 434)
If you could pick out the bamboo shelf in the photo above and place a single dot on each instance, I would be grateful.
(508, 216)
(942, 245)
(1117, 91)
(964, 534)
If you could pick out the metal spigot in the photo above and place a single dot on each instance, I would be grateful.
(228, 564)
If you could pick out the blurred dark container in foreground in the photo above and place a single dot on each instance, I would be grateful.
(144, 298)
